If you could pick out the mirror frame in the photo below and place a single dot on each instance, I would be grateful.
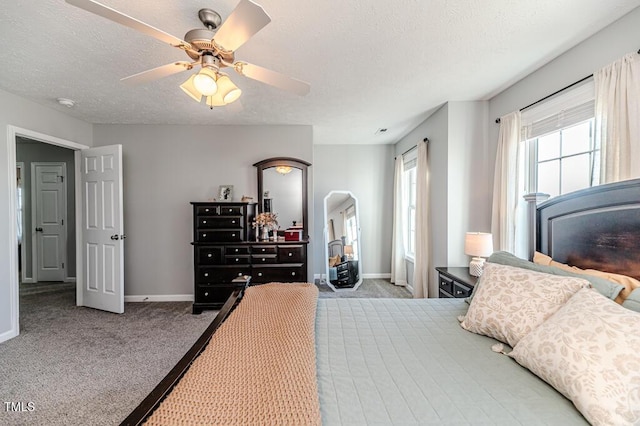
(326, 241)
(292, 162)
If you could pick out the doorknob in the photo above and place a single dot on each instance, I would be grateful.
(38, 229)
(115, 237)
(123, 236)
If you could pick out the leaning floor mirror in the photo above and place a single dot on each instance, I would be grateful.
(342, 241)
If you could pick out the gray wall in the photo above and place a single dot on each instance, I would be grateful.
(460, 196)
(604, 47)
(366, 171)
(29, 151)
(20, 112)
(167, 166)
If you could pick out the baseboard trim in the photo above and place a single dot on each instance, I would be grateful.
(27, 280)
(8, 335)
(160, 298)
(70, 280)
(384, 275)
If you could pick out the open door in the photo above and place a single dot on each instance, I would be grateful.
(102, 228)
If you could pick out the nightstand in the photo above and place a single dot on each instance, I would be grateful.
(455, 282)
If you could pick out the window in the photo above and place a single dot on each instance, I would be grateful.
(564, 161)
(410, 209)
(351, 229)
(561, 152)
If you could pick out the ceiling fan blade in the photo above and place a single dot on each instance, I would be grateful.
(246, 19)
(272, 78)
(128, 21)
(158, 72)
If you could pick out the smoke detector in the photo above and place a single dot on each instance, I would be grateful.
(69, 103)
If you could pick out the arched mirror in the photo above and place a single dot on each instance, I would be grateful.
(282, 189)
(342, 241)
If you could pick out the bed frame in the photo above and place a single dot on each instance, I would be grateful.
(610, 213)
(595, 228)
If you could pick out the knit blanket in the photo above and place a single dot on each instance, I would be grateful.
(258, 368)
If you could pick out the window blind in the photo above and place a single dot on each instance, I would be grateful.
(569, 107)
(410, 159)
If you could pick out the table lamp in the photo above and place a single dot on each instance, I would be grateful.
(348, 251)
(479, 245)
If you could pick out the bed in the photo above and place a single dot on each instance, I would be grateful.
(392, 361)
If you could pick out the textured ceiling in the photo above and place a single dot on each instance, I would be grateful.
(371, 64)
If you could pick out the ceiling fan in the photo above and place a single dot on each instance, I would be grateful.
(211, 48)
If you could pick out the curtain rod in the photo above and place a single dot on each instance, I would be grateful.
(412, 148)
(556, 92)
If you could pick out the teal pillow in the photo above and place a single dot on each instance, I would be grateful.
(633, 301)
(605, 287)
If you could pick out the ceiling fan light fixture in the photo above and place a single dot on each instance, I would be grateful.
(283, 170)
(190, 89)
(205, 81)
(228, 91)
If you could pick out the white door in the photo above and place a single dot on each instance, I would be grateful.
(102, 228)
(49, 225)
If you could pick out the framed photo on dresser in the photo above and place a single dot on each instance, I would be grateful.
(225, 193)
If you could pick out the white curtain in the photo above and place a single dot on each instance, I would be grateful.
(423, 227)
(398, 263)
(618, 119)
(506, 185)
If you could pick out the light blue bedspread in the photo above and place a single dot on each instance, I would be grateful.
(408, 362)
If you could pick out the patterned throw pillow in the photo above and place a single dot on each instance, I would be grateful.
(511, 302)
(589, 351)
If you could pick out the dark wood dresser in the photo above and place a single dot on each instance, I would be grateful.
(347, 272)
(225, 247)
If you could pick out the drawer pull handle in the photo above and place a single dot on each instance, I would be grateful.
(204, 221)
(293, 274)
(290, 254)
(264, 250)
(236, 250)
(206, 274)
(239, 274)
(204, 235)
(233, 235)
(237, 260)
(206, 210)
(259, 274)
(458, 291)
(264, 260)
(206, 293)
(209, 255)
(233, 221)
(230, 210)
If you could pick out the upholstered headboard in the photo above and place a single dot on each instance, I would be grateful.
(596, 228)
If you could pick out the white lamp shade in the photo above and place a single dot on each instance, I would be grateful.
(478, 244)
(191, 90)
(205, 82)
(227, 92)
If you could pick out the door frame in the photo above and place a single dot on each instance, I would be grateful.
(34, 206)
(14, 282)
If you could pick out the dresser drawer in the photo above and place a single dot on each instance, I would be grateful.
(291, 254)
(207, 210)
(237, 259)
(230, 210)
(267, 274)
(213, 295)
(210, 236)
(461, 290)
(205, 222)
(261, 259)
(220, 274)
(446, 284)
(264, 250)
(209, 255)
(235, 250)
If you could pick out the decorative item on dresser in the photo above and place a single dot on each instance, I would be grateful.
(224, 248)
(455, 282)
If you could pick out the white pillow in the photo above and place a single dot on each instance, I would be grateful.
(590, 352)
(511, 302)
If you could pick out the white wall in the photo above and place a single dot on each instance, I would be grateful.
(22, 113)
(366, 171)
(166, 167)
